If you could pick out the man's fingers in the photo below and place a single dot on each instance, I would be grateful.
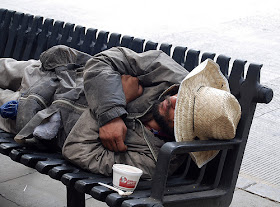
(140, 90)
(120, 141)
(121, 146)
(110, 145)
(112, 135)
(115, 145)
(105, 144)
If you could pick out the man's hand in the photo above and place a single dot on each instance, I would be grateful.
(113, 134)
(131, 87)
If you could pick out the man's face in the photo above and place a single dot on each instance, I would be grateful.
(163, 113)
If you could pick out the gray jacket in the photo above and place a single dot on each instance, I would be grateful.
(157, 72)
(55, 86)
(87, 92)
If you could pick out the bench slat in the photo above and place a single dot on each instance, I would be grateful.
(32, 36)
(44, 166)
(58, 171)
(192, 59)
(126, 41)
(137, 45)
(89, 41)
(55, 34)
(165, 48)
(4, 27)
(100, 192)
(31, 160)
(6, 148)
(179, 54)
(43, 37)
(114, 40)
(86, 185)
(114, 199)
(69, 179)
(223, 62)
(101, 43)
(150, 46)
(13, 32)
(207, 55)
(16, 154)
(21, 40)
(78, 37)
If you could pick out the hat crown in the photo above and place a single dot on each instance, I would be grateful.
(217, 117)
(216, 114)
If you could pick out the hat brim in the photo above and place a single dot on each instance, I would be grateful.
(206, 74)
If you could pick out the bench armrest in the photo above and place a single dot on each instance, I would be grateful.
(171, 148)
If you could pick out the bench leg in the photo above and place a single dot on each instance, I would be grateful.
(75, 198)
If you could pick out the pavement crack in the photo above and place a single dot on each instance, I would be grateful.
(9, 200)
(267, 112)
(17, 177)
(265, 197)
(249, 185)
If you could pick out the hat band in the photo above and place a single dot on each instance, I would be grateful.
(194, 103)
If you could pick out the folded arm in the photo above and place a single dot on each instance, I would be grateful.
(107, 95)
(108, 92)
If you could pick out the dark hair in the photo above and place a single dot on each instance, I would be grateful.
(162, 122)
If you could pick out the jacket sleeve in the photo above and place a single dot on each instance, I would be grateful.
(83, 148)
(102, 82)
(102, 78)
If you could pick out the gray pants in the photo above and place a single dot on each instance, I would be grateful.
(14, 77)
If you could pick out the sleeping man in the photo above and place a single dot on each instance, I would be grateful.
(119, 106)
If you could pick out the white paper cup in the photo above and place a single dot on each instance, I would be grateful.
(126, 177)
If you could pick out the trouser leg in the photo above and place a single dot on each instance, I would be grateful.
(6, 95)
(11, 75)
(12, 72)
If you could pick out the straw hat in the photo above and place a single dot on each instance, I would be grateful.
(205, 109)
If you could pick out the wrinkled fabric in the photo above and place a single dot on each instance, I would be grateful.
(59, 89)
(49, 128)
(13, 73)
(52, 84)
(87, 93)
(84, 148)
(13, 79)
(156, 72)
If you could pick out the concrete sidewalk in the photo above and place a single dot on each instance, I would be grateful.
(21, 186)
(241, 29)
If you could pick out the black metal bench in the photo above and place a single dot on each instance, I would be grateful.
(23, 36)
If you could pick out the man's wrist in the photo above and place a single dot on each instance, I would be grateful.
(111, 114)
